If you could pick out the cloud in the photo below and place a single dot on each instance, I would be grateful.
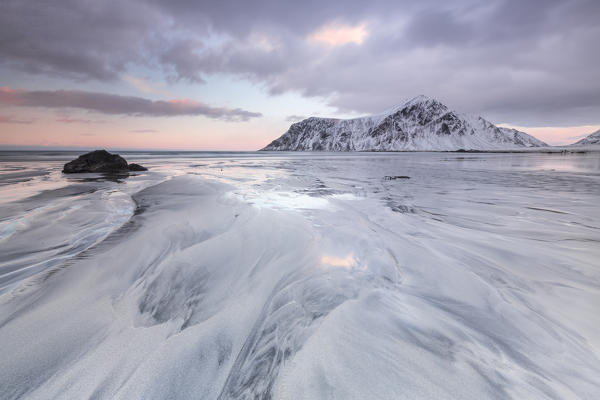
(75, 39)
(181, 60)
(119, 105)
(143, 131)
(523, 62)
(69, 120)
(8, 119)
(294, 118)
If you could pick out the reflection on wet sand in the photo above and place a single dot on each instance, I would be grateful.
(350, 261)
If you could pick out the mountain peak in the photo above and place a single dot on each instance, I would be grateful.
(421, 123)
(420, 100)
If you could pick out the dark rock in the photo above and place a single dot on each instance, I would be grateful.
(136, 167)
(99, 161)
(394, 177)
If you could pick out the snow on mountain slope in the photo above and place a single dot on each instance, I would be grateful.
(421, 123)
(593, 138)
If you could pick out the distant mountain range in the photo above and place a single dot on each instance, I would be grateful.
(420, 124)
(594, 138)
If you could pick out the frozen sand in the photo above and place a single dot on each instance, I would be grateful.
(306, 276)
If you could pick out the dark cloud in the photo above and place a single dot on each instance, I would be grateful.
(120, 105)
(182, 61)
(522, 62)
(240, 18)
(439, 27)
(80, 39)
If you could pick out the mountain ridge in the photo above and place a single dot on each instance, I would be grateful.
(419, 124)
(592, 138)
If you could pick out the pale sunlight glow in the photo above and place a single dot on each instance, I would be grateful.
(337, 35)
(144, 86)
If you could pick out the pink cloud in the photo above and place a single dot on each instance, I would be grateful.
(8, 119)
(68, 120)
(106, 103)
(9, 96)
(6, 89)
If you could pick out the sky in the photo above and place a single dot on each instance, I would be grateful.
(233, 75)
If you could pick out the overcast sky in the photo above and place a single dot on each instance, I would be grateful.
(185, 74)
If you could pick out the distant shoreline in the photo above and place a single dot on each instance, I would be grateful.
(535, 150)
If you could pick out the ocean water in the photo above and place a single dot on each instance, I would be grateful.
(301, 276)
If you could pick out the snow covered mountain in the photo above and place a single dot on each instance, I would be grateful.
(419, 124)
(593, 138)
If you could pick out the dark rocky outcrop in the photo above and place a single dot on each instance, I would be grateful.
(136, 167)
(100, 161)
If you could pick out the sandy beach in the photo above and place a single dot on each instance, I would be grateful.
(302, 276)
